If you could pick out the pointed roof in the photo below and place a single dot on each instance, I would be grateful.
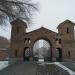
(41, 29)
(19, 21)
(66, 21)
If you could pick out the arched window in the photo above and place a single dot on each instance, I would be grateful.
(29, 40)
(67, 30)
(25, 40)
(16, 52)
(69, 53)
(59, 41)
(17, 29)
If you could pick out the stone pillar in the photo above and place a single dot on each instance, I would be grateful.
(31, 54)
(53, 54)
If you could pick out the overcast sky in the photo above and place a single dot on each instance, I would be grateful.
(51, 13)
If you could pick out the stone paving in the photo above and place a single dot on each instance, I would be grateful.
(33, 69)
(50, 69)
(20, 69)
(70, 65)
(71, 72)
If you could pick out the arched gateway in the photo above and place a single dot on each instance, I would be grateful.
(52, 46)
(32, 46)
(42, 50)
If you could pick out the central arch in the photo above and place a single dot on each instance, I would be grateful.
(42, 50)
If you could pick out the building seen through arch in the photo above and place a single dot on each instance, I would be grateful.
(43, 43)
(42, 50)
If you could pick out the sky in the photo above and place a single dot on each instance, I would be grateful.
(51, 13)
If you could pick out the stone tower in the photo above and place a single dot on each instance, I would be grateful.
(66, 31)
(17, 37)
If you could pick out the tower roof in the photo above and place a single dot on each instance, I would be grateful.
(66, 21)
(19, 22)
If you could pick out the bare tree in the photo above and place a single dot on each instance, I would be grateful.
(22, 9)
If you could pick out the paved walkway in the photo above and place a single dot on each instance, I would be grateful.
(20, 69)
(66, 68)
(70, 65)
(52, 69)
(33, 69)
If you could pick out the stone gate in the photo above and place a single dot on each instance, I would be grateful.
(62, 44)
